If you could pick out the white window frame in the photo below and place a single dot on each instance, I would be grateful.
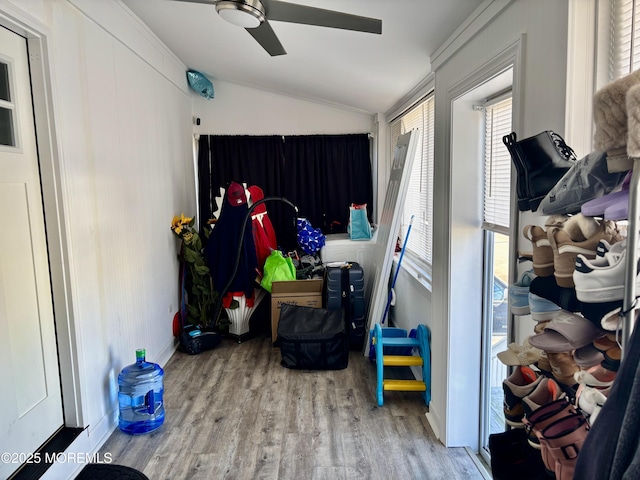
(624, 38)
(598, 16)
(491, 220)
(501, 225)
(418, 263)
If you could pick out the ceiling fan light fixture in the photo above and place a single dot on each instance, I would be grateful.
(247, 13)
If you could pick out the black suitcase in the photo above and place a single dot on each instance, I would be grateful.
(344, 289)
(312, 338)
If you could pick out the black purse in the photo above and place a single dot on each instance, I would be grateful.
(540, 161)
(512, 457)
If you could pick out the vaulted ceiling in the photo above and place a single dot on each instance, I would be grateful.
(361, 71)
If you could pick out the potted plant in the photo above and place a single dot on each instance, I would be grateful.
(200, 295)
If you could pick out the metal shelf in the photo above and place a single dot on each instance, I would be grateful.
(629, 301)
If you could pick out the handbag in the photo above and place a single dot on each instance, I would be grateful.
(512, 457)
(359, 227)
(277, 268)
(588, 179)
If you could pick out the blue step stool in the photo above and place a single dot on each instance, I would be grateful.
(393, 348)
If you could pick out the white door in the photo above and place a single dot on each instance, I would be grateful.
(30, 403)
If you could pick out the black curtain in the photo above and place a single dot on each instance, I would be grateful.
(324, 174)
(254, 160)
(321, 174)
(250, 159)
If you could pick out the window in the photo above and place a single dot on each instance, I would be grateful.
(7, 108)
(624, 42)
(419, 201)
(496, 212)
(321, 174)
(497, 167)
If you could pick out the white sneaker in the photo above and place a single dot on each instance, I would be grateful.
(602, 279)
(590, 402)
(604, 247)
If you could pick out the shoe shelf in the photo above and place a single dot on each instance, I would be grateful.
(629, 300)
(589, 356)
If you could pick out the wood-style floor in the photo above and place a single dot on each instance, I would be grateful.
(235, 413)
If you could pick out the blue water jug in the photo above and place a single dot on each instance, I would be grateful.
(140, 389)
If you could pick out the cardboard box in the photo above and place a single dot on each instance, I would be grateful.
(306, 293)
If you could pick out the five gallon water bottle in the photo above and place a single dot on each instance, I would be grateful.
(140, 396)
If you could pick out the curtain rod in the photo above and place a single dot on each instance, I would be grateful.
(370, 135)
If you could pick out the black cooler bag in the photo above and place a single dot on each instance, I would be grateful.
(312, 338)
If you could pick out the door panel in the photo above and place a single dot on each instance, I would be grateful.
(31, 404)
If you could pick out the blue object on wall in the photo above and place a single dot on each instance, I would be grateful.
(200, 83)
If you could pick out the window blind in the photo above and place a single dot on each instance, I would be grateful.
(419, 200)
(624, 43)
(497, 168)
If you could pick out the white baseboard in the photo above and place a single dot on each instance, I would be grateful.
(434, 423)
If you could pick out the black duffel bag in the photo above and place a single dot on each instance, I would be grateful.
(312, 338)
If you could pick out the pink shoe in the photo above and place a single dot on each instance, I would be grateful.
(563, 440)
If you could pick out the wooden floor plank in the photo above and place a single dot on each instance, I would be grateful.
(235, 413)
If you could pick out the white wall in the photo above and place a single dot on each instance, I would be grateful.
(239, 110)
(123, 167)
(455, 340)
(413, 300)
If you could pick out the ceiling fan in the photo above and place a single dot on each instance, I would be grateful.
(254, 16)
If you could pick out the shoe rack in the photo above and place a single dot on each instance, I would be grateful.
(629, 300)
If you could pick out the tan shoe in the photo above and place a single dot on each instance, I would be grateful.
(542, 252)
(543, 363)
(578, 227)
(563, 367)
(566, 249)
(539, 327)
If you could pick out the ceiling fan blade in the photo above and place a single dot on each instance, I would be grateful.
(289, 12)
(204, 2)
(267, 39)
